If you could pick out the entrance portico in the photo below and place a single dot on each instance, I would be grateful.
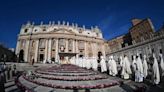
(65, 57)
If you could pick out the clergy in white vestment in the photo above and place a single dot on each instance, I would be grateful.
(84, 62)
(134, 63)
(156, 74)
(126, 70)
(103, 64)
(77, 61)
(121, 64)
(88, 64)
(121, 61)
(95, 64)
(71, 61)
(161, 63)
(134, 66)
(139, 70)
(145, 67)
(45, 61)
(80, 62)
(91, 62)
(109, 65)
(113, 66)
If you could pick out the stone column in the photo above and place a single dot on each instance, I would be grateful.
(17, 47)
(66, 47)
(94, 49)
(92, 46)
(73, 44)
(57, 51)
(26, 51)
(49, 49)
(85, 48)
(46, 49)
(77, 49)
(36, 50)
(103, 49)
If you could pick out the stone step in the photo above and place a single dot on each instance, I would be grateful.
(11, 87)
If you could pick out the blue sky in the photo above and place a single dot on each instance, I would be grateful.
(112, 16)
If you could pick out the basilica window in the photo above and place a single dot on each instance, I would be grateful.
(26, 30)
(90, 50)
(81, 45)
(35, 30)
(42, 43)
(62, 42)
(53, 44)
(62, 45)
(80, 31)
(44, 29)
(55, 29)
(97, 34)
(23, 42)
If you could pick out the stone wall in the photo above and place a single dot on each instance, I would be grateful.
(145, 47)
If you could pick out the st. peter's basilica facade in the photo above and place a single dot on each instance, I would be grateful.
(55, 42)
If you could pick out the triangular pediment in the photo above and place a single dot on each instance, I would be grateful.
(63, 30)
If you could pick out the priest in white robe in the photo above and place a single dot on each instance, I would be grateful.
(88, 64)
(71, 61)
(109, 65)
(77, 61)
(103, 64)
(80, 62)
(74, 60)
(121, 64)
(156, 74)
(139, 70)
(84, 62)
(145, 67)
(161, 63)
(121, 61)
(91, 62)
(134, 63)
(134, 66)
(95, 64)
(113, 66)
(126, 70)
(45, 61)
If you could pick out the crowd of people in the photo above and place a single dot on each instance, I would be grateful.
(140, 68)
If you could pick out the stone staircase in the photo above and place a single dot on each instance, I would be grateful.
(10, 86)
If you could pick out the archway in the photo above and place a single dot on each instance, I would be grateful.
(99, 55)
(21, 55)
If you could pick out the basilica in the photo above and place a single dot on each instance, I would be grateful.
(61, 42)
(58, 42)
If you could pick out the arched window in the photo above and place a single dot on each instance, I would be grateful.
(26, 30)
(53, 44)
(42, 43)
